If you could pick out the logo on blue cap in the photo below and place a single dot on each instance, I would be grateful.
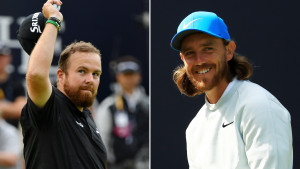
(207, 22)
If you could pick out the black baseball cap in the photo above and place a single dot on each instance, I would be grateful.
(30, 31)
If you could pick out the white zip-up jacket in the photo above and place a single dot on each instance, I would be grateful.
(247, 128)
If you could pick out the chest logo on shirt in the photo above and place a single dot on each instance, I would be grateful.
(79, 124)
(225, 125)
(97, 131)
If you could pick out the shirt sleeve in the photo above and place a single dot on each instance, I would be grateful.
(266, 130)
(36, 116)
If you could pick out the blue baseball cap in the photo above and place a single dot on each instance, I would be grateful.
(201, 21)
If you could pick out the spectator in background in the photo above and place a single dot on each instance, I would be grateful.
(123, 117)
(12, 92)
(10, 147)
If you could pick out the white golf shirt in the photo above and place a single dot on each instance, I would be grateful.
(247, 128)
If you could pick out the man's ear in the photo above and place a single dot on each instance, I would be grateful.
(230, 48)
(181, 56)
(60, 76)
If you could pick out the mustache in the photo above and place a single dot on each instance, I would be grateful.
(87, 87)
(202, 66)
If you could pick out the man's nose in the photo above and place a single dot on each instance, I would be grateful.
(200, 58)
(89, 78)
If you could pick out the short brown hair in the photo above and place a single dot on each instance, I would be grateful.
(239, 66)
(80, 46)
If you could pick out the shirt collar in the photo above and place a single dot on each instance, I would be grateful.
(228, 88)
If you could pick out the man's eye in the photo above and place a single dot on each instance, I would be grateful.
(208, 48)
(189, 53)
(81, 71)
(96, 74)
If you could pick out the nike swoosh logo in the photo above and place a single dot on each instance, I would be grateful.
(79, 124)
(186, 25)
(225, 125)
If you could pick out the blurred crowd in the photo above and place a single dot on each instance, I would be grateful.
(12, 100)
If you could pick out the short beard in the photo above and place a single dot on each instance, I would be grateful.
(204, 85)
(79, 99)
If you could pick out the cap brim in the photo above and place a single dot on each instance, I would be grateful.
(26, 44)
(128, 71)
(177, 39)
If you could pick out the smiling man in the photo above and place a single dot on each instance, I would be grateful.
(241, 125)
(59, 131)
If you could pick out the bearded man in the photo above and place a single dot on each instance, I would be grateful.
(59, 131)
(241, 125)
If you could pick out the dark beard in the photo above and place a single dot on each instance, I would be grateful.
(78, 98)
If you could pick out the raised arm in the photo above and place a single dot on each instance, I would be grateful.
(37, 77)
